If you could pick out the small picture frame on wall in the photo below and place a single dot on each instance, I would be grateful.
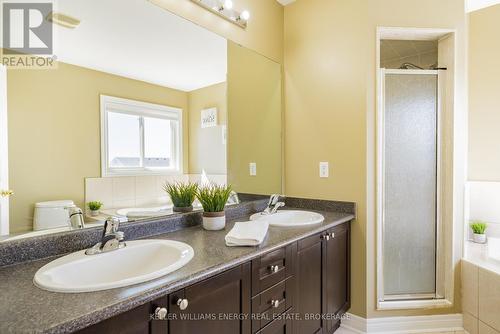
(208, 118)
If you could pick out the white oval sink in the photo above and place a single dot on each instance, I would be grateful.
(290, 218)
(139, 261)
(145, 212)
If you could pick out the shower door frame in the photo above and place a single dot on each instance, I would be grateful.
(407, 299)
(4, 153)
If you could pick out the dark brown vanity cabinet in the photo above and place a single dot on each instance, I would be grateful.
(309, 290)
(302, 288)
(322, 289)
(137, 320)
(214, 306)
(335, 275)
(273, 290)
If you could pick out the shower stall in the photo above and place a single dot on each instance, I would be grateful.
(409, 154)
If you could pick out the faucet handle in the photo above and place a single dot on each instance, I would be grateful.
(272, 199)
(120, 235)
(111, 225)
(275, 198)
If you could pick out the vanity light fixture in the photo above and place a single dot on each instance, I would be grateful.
(245, 15)
(224, 8)
(228, 4)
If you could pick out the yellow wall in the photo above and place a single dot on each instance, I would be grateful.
(264, 33)
(330, 87)
(207, 150)
(54, 131)
(254, 121)
(325, 118)
(484, 97)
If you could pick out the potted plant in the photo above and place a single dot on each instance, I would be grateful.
(213, 199)
(478, 227)
(182, 195)
(94, 208)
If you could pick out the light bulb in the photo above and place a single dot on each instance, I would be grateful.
(245, 15)
(228, 4)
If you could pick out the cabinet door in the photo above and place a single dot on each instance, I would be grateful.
(158, 324)
(135, 321)
(308, 293)
(214, 305)
(336, 275)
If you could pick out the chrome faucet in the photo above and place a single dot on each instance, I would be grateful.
(273, 204)
(76, 218)
(111, 239)
(233, 198)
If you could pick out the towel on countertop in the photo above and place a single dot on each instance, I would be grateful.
(250, 233)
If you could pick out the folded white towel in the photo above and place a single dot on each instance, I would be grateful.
(250, 233)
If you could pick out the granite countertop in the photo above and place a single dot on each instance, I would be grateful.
(24, 308)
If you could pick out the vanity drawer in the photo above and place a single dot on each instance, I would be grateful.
(281, 325)
(272, 268)
(272, 302)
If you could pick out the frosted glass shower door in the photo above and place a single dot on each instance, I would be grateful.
(410, 159)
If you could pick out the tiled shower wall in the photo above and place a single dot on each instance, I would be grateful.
(136, 191)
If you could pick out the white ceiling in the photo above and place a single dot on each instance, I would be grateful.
(472, 5)
(138, 40)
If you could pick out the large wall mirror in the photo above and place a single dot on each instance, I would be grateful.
(138, 97)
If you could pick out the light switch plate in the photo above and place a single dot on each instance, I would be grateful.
(253, 169)
(323, 169)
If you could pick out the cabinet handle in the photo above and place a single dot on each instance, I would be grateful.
(182, 303)
(332, 235)
(326, 237)
(274, 269)
(275, 303)
(161, 313)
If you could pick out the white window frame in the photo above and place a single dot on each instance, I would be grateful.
(141, 109)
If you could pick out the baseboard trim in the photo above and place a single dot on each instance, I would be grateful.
(400, 325)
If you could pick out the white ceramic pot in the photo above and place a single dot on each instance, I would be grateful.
(94, 213)
(214, 221)
(480, 238)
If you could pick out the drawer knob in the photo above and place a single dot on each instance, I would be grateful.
(275, 303)
(274, 269)
(182, 303)
(161, 313)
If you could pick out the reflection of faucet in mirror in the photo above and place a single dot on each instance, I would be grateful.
(273, 205)
(76, 218)
(111, 239)
(233, 198)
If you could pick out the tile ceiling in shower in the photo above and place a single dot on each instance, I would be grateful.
(396, 49)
